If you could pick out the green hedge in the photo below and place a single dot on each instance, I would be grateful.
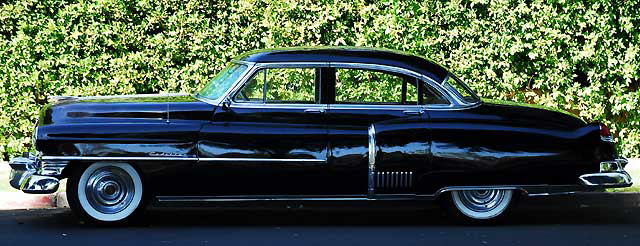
(579, 56)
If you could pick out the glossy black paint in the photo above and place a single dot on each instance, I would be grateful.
(131, 127)
(402, 145)
(490, 143)
(257, 131)
(495, 144)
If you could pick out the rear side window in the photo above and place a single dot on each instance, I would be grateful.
(461, 90)
(280, 85)
(363, 86)
(360, 86)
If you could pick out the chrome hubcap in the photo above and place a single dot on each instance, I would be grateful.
(110, 190)
(482, 200)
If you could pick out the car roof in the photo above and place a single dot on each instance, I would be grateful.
(348, 54)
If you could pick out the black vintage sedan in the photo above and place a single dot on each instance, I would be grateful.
(314, 124)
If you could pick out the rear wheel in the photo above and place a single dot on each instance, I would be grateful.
(481, 206)
(105, 192)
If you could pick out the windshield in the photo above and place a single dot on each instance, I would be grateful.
(221, 83)
(460, 90)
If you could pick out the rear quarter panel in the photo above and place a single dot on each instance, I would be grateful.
(495, 144)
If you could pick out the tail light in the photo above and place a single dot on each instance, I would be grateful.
(605, 134)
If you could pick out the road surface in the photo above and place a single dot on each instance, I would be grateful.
(602, 219)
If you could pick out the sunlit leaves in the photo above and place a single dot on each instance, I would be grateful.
(580, 56)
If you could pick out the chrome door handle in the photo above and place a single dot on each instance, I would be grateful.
(314, 111)
(412, 112)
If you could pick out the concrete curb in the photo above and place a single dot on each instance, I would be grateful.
(61, 200)
(19, 200)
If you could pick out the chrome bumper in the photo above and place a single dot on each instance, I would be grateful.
(611, 175)
(25, 176)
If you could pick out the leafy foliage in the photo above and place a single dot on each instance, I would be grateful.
(578, 56)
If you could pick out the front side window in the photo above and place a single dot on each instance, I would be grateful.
(280, 85)
(221, 83)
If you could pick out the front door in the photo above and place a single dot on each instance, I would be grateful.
(270, 138)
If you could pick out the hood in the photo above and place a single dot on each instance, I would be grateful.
(147, 107)
(531, 114)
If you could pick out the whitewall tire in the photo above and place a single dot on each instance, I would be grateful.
(482, 205)
(106, 192)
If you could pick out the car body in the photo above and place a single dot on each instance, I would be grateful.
(320, 123)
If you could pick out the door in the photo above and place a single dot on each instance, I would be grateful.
(270, 139)
(378, 132)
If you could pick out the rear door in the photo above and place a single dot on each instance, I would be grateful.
(378, 133)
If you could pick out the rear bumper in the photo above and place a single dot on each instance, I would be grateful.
(24, 176)
(611, 175)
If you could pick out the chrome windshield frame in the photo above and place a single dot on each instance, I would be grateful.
(241, 78)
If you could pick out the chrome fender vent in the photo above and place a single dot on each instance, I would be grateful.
(393, 180)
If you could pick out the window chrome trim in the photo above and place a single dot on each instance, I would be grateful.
(461, 102)
(278, 105)
(370, 106)
(244, 62)
(429, 81)
(454, 103)
(293, 65)
(235, 89)
(223, 97)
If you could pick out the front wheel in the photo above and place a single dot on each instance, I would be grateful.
(105, 192)
(481, 206)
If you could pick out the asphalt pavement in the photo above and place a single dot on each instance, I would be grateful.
(592, 219)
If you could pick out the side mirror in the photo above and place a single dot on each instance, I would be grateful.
(225, 105)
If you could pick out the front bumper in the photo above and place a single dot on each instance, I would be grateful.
(611, 175)
(25, 176)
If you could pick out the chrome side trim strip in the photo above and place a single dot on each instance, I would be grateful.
(117, 158)
(528, 190)
(262, 159)
(260, 198)
(143, 158)
(461, 188)
(552, 193)
(56, 99)
(372, 161)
